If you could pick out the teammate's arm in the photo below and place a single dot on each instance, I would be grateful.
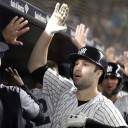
(55, 24)
(29, 105)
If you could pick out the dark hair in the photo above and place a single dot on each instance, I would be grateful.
(52, 64)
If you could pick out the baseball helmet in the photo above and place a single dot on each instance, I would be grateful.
(114, 69)
(3, 48)
(94, 55)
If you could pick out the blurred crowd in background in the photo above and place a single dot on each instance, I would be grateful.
(107, 19)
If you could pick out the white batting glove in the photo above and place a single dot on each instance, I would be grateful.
(76, 120)
(57, 20)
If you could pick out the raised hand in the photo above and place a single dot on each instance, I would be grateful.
(79, 39)
(57, 20)
(14, 76)
(125, 62)
(15, 29)
(110, 56)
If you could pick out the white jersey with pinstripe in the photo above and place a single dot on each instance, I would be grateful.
(63, 102)
(122, 104)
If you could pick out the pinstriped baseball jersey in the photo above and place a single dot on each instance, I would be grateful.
(122, 104)
(63, 102)
(44, 99)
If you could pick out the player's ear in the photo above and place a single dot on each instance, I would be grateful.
(99, 73)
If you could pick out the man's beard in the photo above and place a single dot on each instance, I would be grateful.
(80, 86)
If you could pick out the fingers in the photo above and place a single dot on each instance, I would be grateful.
(19, 24)
(19, 43)
(22, 31)
(80, 29)
(22, 24)
(57, 8)
(62, 13)
(19, 21)
(79, 37)
(126, 53)
(77, 30)
(63, 9)
(57, 21)
(16, 72)
(13, 20)
(87, 31)
(11, 71)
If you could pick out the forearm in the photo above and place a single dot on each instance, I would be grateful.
(94, 124)
(40, 118)
(27, 102)
(29, 93)
(55, 24)
(39, 54)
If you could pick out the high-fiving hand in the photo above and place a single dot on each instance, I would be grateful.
(14, 76)
(80, 37)
(15, 29)
(57, 21)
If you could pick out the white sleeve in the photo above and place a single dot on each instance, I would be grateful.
(27, 103)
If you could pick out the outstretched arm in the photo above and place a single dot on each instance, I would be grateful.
(39, 54)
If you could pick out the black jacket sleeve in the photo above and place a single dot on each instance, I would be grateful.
(38, 74)
(90, 123)
(40, 119)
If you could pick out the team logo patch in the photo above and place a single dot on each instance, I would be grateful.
(109, 69)
(82, 51)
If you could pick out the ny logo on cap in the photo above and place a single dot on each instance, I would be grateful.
(82, 51)
(109, 69)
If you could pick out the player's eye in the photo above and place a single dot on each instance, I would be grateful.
(76, 63)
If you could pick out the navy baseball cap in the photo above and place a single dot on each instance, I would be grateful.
(94, 55)
(3, 48)
(91, 53)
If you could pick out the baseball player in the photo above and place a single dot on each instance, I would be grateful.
(80, 97)
(13, 100)
(27, 103)
(111, 87)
